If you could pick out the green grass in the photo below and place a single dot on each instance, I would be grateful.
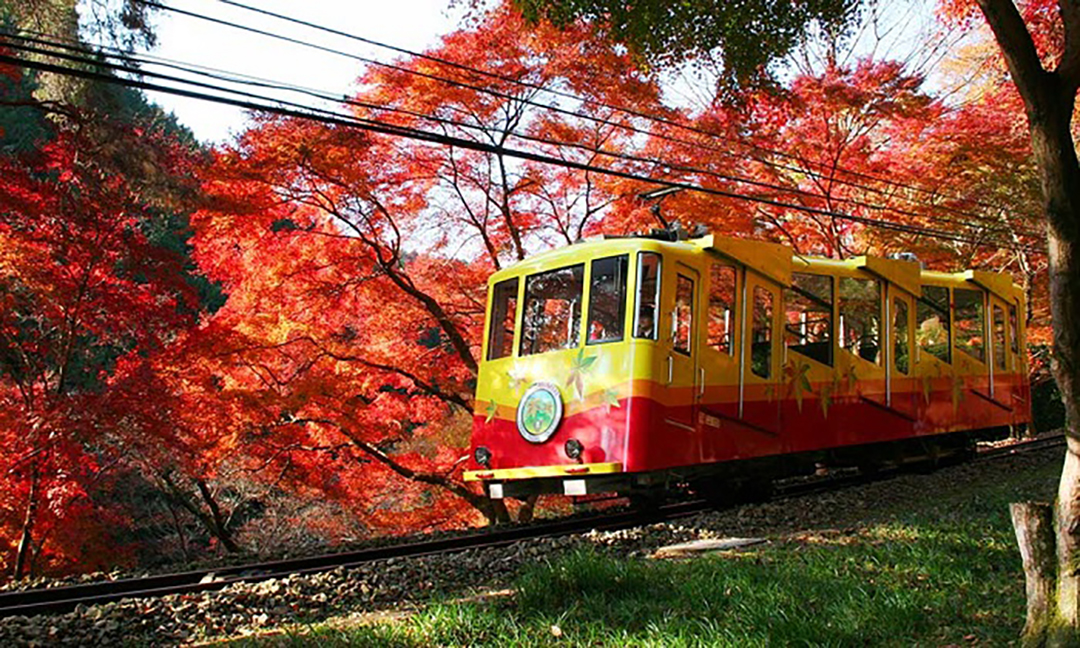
(947, 573)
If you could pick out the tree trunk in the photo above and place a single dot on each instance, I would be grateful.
(218, 521)
(1055, 620)
(1049, 98)
(212, 522)
(27, 537)
(1056, 156)
(1034, 525)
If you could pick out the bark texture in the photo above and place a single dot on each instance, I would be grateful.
(27, 537)
(1049, 98)
(1034, 525)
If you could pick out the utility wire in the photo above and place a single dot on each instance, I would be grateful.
(228, 77)
(653, 118)
(584, 100)
(437, 138)
(979, 221)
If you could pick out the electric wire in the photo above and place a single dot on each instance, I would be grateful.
(584, 100)
(230, 77)
(438, 138)
(653, 118)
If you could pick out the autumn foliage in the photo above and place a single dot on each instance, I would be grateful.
(306, 314)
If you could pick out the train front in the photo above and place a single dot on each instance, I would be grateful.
(555, 400)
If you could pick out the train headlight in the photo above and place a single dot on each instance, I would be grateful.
(539, 412)
(482, 456)
(574, 449)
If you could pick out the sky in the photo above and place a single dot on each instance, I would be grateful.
(410, 24)
(899, 29)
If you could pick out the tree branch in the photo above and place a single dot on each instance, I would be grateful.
(1069, 66)
(1019, 50)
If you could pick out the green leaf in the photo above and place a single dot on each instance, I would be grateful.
(611, 397)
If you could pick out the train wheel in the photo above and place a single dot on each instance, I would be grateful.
(756, 490)
(871, 469)
(646, 500)
(528, 507)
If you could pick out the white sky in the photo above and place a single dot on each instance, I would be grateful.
(903, 30)
(410, 24)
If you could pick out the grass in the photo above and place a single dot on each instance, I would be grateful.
(945, 573)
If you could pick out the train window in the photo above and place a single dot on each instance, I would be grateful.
(683, 320)
(808, 305)
(552, 310)
(900, 336)
(761, 344)
(999, 337)
(932, 322)
(721, 307)
(1014, 330)
(607, 299)
(860, 317)
(503, 318)
(968, 315)
(648, 295)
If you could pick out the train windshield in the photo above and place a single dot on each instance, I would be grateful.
(552, 310)
(503, 314)
(648, 295)
(968, 318)
(607, 299)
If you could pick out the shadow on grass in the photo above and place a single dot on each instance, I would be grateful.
(934, 588)
(947, 574)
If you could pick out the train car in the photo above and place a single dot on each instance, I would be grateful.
(636, 364)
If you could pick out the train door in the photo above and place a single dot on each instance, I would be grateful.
(1001, 360)
(862, 363)
(718, 359)
(681, 372)
(900, 318)
(759, 400)
(1017, 362)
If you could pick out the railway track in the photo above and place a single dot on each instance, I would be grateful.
(66, 598)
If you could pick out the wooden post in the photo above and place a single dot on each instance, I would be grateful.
(1034, 526)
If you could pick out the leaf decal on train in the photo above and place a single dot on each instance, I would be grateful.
(611, 398)
(926, 389)
(826, 398)
(957, 393)
(797, 380)
(490, 411)
(579, 366)
(852, 378)
(517, 377)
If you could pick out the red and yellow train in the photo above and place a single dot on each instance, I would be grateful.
(631, 364)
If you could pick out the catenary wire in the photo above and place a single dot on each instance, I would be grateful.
(375, 126)
(585, 100)
(654, 118)
(230, 78)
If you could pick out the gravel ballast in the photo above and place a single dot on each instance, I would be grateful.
(243, 609)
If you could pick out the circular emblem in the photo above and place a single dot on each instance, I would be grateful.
(539, 412)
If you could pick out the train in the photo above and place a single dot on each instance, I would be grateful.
(650, 363)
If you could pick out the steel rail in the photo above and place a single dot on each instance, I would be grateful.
(66, 598)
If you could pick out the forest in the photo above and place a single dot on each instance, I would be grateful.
(272, 342)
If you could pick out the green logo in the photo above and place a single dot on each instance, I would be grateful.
(539, 412)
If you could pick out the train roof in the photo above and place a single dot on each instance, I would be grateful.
(771, 259)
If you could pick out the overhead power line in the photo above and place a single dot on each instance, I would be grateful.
(585, 100)
(228, 77)
(262, 83)
(375, 126)
(564, 111)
